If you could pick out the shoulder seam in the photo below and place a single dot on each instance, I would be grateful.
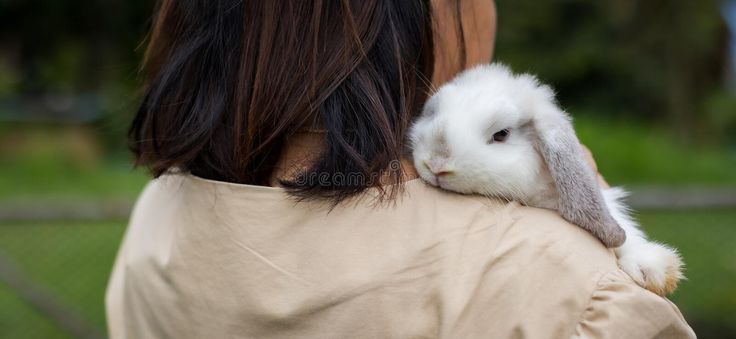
(586, 309)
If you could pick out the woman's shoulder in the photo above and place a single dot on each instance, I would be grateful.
(512, 230)
(491, 266)
(511, 224)
(510, 269)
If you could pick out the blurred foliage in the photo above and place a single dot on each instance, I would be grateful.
(71, 44)
(660, 61)
(55, 48)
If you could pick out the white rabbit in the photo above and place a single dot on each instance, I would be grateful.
(494, 133)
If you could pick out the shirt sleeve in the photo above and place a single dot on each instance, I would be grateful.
(619, 308)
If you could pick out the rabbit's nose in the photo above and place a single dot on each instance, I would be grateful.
(438, 167)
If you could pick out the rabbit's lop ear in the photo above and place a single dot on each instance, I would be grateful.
(580, 199)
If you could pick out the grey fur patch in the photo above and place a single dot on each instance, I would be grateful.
(440, 140)
(430, 107)
(580, 199)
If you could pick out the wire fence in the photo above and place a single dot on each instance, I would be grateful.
(53, 276)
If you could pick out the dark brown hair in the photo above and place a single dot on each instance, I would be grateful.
(228, 81)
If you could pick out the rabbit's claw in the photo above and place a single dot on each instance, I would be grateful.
(654, 266)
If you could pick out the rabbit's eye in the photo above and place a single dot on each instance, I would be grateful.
(500, 136)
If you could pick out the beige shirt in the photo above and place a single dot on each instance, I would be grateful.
(204, 259)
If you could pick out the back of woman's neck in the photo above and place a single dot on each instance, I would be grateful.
(303, 148)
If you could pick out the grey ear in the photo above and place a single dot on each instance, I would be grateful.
(580, 199)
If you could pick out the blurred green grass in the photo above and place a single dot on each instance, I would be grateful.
(627, 154)
(705, 240)
(631, 153)
(67, 163)
(71, 260)
(30, 179)
(18, 320)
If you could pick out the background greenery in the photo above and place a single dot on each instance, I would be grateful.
(645, 80)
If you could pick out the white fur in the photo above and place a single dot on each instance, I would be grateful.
(452, 137)
(466, 117)
(649, 263)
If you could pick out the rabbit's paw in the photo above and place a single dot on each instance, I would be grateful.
(653, 266)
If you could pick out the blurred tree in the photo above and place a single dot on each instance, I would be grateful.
(71, 45)
(655, 59)
(77, 56)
